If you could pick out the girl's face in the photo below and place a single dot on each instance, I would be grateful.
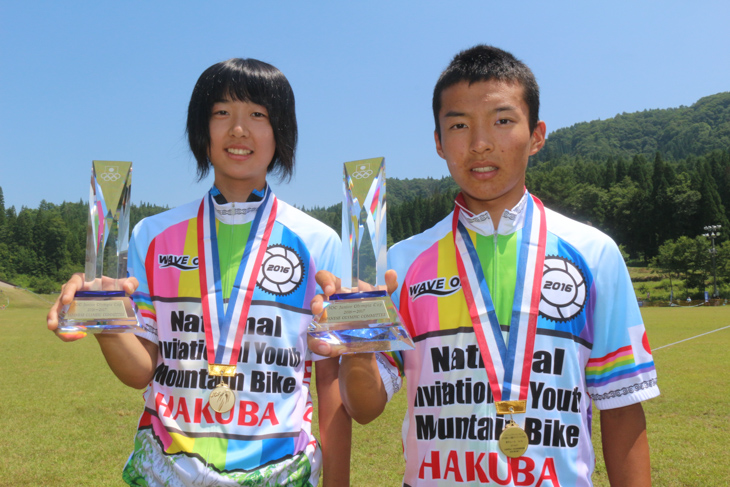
(241, 145)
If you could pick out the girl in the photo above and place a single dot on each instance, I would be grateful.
(223, 285)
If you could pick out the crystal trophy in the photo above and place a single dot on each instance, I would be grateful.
(362, 320)
(103, 306)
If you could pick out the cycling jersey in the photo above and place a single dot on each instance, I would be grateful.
(590, 343)
(266, 438)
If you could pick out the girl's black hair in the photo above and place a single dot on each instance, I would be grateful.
(244, 80)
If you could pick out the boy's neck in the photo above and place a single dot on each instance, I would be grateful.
(495, 208)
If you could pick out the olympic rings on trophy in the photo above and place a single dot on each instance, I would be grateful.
(362, 172)
(110, 176)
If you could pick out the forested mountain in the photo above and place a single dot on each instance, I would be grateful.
(648, 179)
(641, 203)
(644, 178)
(42, 247)
(676, 133)
(413, 206)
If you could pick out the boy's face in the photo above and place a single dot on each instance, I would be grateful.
(486, 141)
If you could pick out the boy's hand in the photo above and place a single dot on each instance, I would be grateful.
(76, 283)
(331, 285)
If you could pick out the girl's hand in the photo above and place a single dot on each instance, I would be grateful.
(76, 283)
(331, 285)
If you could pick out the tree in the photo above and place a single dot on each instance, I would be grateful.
(720, 167)
(660, 203)
(669, 261)
(395, 227)
(587, 172)
(723, 261)
(689, 258)
(638, 172)
(8, 231)
(701, 261)
(626, 216)
(622, 169)
(54, 245)
(588, 203)
(683, 204)
(2, 212)
(609, 173)
(711, 210)
(23, 231)
(554, 187)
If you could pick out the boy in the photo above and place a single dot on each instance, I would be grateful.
(520, 316)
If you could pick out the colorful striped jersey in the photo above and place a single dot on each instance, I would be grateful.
(590, 343)
(266, 439)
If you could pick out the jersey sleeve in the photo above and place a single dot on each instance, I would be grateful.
(389, 372)
(620, 370)
(392, 364)
(325, 250)
(146, 315)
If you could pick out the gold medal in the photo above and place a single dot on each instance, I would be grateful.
(513, 440)
(222, 398)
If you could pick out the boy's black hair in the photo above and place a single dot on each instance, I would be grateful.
(244, 80)
(484, 63)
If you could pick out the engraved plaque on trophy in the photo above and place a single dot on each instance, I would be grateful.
(362, 320)
(103, 305)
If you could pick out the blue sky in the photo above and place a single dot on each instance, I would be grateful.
(111, 80)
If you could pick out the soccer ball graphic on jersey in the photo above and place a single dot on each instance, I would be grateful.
(563, 289)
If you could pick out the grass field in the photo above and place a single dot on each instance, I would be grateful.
(68, 421)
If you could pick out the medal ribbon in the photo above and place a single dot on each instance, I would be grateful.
(223, 334)
(506, 364)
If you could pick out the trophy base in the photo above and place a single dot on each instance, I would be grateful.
(361, 322)
(98, 312)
